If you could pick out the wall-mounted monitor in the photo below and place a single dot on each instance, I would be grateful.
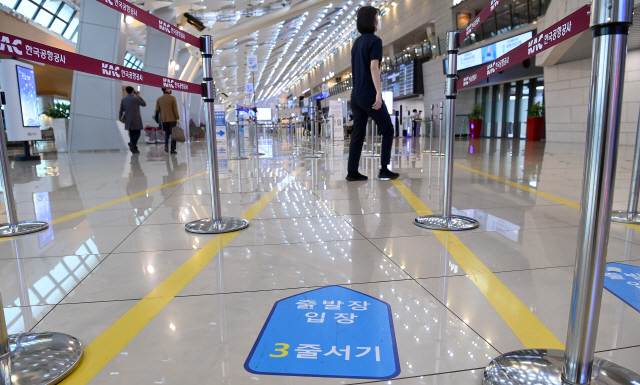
(28, 97)
(491, 52)
(264, 113)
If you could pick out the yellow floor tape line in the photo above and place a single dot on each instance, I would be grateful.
(99, 352)
(524, 324)
(537, 192)
(114, 202)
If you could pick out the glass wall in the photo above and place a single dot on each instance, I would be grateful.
(58, 16)
(506, 107)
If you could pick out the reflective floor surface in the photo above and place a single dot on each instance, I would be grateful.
(117, 241)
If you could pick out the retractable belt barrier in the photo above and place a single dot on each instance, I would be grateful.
(481, 18)
(146, 18)
(570, 26)
(41, 53)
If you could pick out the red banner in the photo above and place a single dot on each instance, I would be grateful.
(30, 50)
(566, 28)
(146, 18)
(482, 16)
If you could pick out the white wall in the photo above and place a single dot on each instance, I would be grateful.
(567, 88)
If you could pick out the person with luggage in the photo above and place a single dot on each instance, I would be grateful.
(130, 115)
(167, 105)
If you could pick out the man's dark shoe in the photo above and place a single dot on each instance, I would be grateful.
(386, 174)
(174, 152)
(354, 175)
(132, 148)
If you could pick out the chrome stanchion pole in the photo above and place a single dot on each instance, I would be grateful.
(366, 139)
(372, 145)
(13, 227)
(333, 131)
(239, 155)
(610, 21)
(430, 134)
(447, 221)
(257, 150)
(36, 358)
(439, 152)
(217, 224)
(631, 214)
(312, 122)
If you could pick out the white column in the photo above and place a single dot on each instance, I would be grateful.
(95, 101)
(157, 55)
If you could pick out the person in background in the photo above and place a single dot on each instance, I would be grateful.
(130, 115)
(366, 96)
(168, 107)
(414, 124)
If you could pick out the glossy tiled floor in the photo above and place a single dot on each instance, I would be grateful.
(91, 268)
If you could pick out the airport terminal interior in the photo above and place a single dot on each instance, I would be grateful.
(332, 281)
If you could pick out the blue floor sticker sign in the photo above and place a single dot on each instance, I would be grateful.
(623, 281)
(327, 332)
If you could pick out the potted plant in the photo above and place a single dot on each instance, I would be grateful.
(59, 115)
(535, 122)
(475, 121)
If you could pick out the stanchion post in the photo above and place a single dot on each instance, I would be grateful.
(440, 117)
(38, 358)
(13, 227)
(239, 154)
(448, 221)
(631, 214)
(312, 122)
(429, 151)
(610, 21)
(217, 224)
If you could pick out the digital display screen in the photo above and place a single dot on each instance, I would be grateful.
(400, 80)
(264, 114)
(28, 97)
(491, 52)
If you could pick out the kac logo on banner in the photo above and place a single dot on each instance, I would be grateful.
(252, 63)
(249, 88)
(623, 281)
(110, 70)
(11, 47)
(327, 332)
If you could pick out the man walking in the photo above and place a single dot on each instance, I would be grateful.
(168, 107)
(130, 115)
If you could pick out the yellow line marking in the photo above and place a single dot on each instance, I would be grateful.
(119, 200)
(537, 192)
(522, 187)
(525, 325)
(106, 346)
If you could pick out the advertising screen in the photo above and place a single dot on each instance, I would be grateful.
(491, 52)
(28, 97)
(264, 113)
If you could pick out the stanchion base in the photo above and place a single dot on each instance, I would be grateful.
(371, 156)
(258, 153)
(622, 216)
(240, 158)
(209, 226)
(22, 228)
(429, 152)
(452, 223)
(544, 367)
(311, 156)
(439, 154)
(43, 358)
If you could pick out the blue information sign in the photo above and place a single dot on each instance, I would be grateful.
(327, 332)
(623, 281)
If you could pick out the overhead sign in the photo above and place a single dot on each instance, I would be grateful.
(252, 63)
(327, 332)
(570, 26)
(623, 281)
(221, 123)
(335, 110)
(249, 88)
(325, 90)
(490, 52)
